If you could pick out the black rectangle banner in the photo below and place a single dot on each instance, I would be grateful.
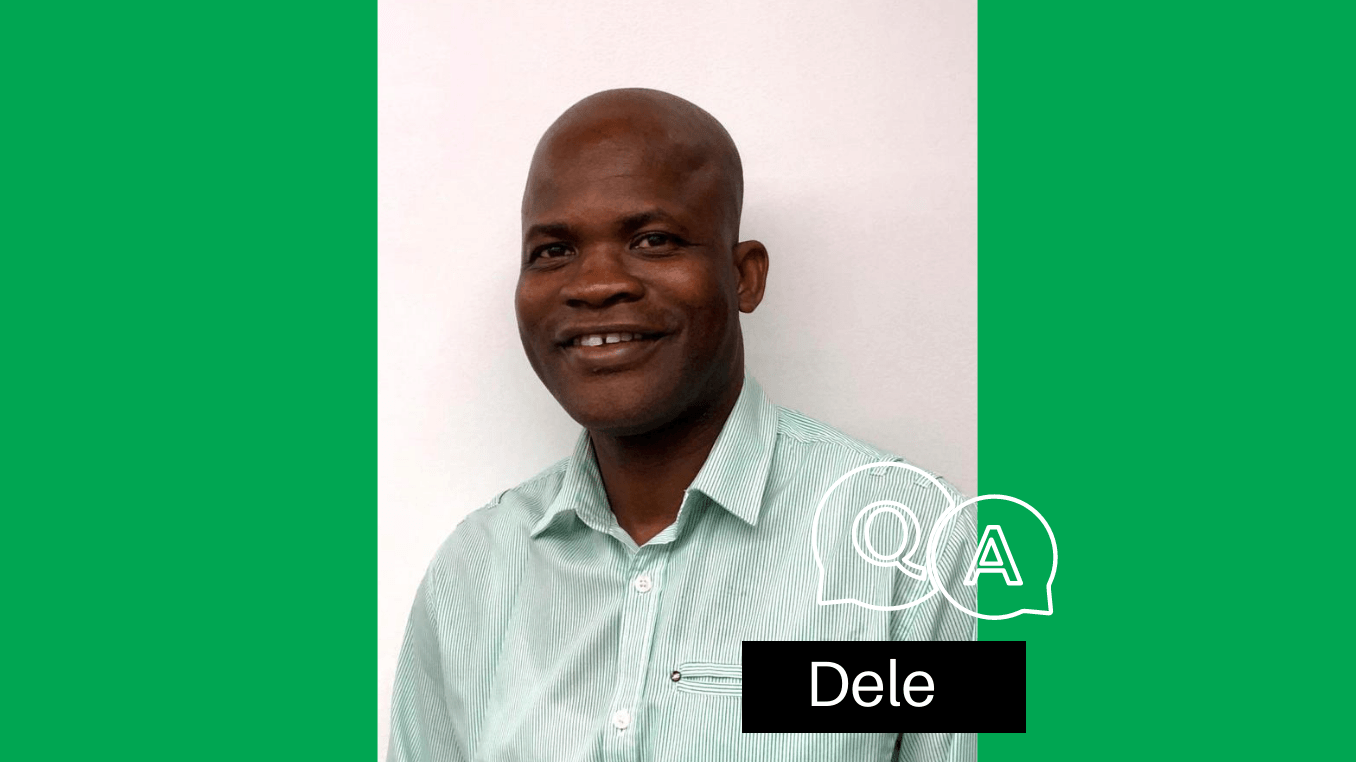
(884, 686)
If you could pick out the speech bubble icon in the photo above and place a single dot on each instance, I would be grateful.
(877, 517)
(1008, 564)
(909, 531)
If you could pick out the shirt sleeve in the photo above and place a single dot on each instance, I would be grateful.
(937, 619)
(422, 729)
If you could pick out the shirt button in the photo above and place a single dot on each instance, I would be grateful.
(643, 583)
(621, 719)
(676, 676)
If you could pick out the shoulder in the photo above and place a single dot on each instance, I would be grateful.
(800, 430)
(800, 435)
(496, 530)
(810, 450)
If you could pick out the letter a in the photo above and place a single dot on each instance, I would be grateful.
(989, 559)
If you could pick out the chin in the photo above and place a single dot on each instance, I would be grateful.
(618, 409)
(613, 417)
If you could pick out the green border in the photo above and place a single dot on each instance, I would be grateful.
(189, 293)
(1165, 261)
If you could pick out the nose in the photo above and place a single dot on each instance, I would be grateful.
(601, 279)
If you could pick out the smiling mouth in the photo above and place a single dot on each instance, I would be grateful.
(605, 339)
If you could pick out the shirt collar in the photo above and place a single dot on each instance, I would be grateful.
(734, 475)
(581, 492)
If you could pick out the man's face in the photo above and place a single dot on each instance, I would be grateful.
(628, 297)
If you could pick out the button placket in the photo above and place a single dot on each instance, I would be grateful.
(639, 614)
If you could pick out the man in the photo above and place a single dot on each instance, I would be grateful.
(597, 610)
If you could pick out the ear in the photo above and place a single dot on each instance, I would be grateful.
(750, 262)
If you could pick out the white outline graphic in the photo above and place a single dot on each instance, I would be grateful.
(903, 566)
(912, 531)
(910, 521)
(935, 537)
(995, 566)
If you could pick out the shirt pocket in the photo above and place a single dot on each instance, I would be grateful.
(710, 678)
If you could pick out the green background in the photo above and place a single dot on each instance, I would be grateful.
(188, 294)
(1165, 336)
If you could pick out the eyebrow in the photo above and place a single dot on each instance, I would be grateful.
(548, 230)
(633, 222)
(626, 225)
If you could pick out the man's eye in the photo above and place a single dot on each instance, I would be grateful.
(654, 240)
(551, 251)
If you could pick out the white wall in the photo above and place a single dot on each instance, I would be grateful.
(857, 124)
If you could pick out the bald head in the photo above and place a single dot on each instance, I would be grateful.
(637, 129)
(633, 276)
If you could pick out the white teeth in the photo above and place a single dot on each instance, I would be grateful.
(599, 339)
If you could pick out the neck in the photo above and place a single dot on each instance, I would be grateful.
(645, 475)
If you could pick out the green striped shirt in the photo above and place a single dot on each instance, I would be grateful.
(542, 632)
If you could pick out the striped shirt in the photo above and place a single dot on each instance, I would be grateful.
(541, 631)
